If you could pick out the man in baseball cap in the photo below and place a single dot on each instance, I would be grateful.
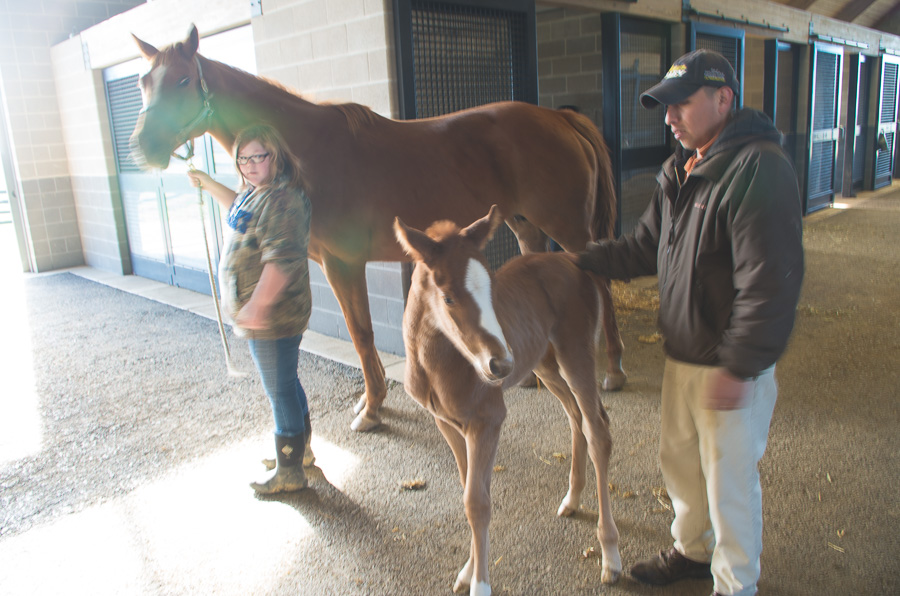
(723, 234)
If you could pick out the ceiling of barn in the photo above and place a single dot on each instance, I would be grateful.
(883, 15)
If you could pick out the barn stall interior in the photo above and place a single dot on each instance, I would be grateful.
(827, 72)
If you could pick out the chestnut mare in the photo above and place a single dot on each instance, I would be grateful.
(468, 337)
(548, 170)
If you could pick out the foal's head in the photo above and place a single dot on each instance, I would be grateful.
(457, 289)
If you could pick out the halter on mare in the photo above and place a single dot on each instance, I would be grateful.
(184, 135)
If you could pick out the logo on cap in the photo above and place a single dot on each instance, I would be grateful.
(714, 74)
(676, 72)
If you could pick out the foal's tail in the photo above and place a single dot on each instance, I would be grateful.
(603, 218)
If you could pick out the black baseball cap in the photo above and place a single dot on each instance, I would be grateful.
(700, 68)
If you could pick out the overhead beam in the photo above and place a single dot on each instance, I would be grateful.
(800, 4)
(890, 21)
(853, 9)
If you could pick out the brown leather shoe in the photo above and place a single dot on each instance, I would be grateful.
(668, 567)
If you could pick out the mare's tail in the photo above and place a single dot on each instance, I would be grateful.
(603, 218)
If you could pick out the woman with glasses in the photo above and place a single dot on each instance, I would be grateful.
(264, 281)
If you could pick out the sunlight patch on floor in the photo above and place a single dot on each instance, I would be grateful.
(199, 530)
(20, 424)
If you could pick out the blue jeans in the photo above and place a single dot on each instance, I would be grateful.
(277, 361)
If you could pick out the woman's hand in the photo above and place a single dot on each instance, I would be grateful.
(253, 316)
(199, 179)
(221, 193)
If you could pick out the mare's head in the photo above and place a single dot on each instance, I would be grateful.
(175, 106)
(457, 288)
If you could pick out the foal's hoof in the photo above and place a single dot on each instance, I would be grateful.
(610, 576)
(566, 510)
(614, 381)
(360, 404)
(569, 505)
(364, 423)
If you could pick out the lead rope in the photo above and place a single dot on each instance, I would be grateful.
(232, 371)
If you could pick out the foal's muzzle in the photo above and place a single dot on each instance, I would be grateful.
(500, 368)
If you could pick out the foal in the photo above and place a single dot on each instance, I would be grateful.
(468, 339)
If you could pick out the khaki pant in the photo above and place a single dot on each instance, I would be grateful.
(709, 462)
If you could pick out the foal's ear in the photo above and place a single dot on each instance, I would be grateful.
(190, 45)
(482, 230)
(415, 243)
(146, 50)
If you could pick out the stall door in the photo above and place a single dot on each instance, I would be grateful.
(635, 57)
(725, 40)
(457, 55)
(824, 129)
(781, 90)
(860, 84)
(887, 121)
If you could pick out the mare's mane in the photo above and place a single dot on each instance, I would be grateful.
(357, 115)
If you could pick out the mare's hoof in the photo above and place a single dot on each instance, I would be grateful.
(364, 423)
(360, 405)
(614, 381)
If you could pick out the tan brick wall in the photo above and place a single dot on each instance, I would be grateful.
(569, 60)
(330, 50)
(92, 170)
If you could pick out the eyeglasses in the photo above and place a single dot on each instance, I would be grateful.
(258, 158)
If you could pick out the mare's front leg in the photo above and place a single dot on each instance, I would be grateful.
(348, 281)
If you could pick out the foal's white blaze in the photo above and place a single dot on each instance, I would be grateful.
(478, 282)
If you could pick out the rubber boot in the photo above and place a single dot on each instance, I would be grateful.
(288, 475)
(308, 457)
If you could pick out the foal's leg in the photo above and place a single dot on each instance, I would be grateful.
(457, 445)
(482, 438)
(575, 365)
(549, 375)
(615, 375)
(348, 281)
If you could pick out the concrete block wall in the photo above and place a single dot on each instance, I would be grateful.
(570, 60)
(330, 50)
(92, 170)
(41, 177)
(338, 51)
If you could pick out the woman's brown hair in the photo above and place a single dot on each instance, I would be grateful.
(285, 165)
